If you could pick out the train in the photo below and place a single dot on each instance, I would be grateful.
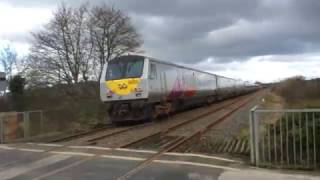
(141, 88)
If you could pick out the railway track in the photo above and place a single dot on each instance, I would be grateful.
(180, 141)
(98, 134)
(95, 140)
(168, 145)
(78, 135)
(159, 137)
(113, 140)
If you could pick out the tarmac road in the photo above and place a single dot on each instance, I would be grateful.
(33, 161)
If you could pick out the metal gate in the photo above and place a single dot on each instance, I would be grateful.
(287, 138)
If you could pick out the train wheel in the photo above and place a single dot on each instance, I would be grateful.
(150, 112)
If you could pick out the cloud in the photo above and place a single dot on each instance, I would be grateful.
(231, 33)
(191, 31)
(18, 22)
(265, 68)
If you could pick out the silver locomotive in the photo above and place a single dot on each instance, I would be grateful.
(140, 88)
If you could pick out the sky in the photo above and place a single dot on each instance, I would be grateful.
(256, 40)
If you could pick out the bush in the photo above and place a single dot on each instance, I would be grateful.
(16, 85)
(66, 105)
(297, 89)
(4, 104)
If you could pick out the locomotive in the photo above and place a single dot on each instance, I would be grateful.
(141, 88)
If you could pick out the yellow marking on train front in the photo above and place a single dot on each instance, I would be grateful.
(123, 86)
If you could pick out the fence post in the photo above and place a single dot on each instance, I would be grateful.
(1, 129)
(254, 146)
(257, 138)
(41, 123)
(26, 123)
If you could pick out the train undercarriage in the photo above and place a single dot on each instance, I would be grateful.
(141, 110)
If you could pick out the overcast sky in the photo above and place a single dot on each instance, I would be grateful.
(263, 40)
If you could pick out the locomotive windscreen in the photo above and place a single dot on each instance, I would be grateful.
(125, 67)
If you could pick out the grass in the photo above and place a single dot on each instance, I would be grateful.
(308, 104)
(272, 101)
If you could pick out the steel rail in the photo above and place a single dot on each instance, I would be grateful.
(170, 147)
(94, 140)
(180, 141)
(179, 125)
(74, 136)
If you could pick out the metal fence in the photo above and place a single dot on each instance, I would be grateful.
(285, 138)
(15, 126)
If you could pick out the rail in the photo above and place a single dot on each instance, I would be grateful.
(182, 140)
(288, 138)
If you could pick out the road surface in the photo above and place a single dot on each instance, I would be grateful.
(53, 162)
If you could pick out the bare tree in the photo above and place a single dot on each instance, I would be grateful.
(8, 59)
(77, 42)
(62, 51)
(112, 34)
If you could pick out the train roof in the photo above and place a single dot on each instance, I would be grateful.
(177, 65)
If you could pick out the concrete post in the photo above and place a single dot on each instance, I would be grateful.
(26, 123)
(256, 138)
(253, 137)
(1, 129)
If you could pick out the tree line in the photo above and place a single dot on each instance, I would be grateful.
(75, 44)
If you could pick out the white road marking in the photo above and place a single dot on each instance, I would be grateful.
(202, 156)
(16, 171)
(89, 147)
(72, 153)
(172, 162)
(196, 164)
(20, 149)
(136, 158)
(142, 159)
(136, 150)
(123, 158)
(6, 147)
(48, 145)
(30, 150)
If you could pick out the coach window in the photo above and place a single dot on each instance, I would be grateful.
(153, 72)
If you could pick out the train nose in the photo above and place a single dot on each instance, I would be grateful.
(122, 86)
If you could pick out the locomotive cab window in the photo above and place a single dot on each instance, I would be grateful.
(125, 67)
(153, 72)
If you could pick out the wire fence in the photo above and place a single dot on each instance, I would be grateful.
(285, 138)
